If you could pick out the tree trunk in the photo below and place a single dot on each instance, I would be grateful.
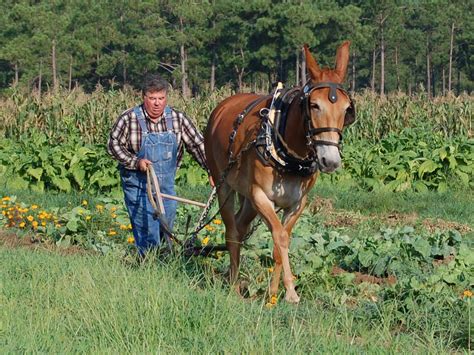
(53, 66)
(303, 69)
(213, 63)
(184, 74)
(428, 68)
(382, 61)
(397, 69)
(353, 85)
(213, 75)
(17, 75)
(372, 80)
(70, 75)
(124, 67)
(40, 78)
(297, 68)
(451, 44)
(444, 82)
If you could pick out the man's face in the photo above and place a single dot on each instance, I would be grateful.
(155, 103)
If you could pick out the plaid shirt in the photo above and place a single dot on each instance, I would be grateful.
(125, 138)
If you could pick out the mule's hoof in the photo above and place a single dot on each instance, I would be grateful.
(292, 297)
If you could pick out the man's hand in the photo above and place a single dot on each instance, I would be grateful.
(143, 164)
(211, 181)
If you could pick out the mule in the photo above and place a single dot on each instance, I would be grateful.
(277, 174)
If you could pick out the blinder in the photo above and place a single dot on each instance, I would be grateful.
(349, 117)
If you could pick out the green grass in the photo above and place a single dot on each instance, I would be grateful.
(63, 304)
(102, 304)
(454, 205)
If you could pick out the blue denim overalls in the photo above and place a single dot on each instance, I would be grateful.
(161, 149)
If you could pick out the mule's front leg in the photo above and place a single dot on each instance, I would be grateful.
(281, 241)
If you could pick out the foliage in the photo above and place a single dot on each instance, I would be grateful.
(411, 159)
(247, 44)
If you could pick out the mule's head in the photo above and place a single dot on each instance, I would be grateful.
(328, 108)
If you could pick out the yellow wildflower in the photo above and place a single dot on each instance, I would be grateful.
(4, 212)
(88, 218)
(205, 241)
(209, 228)
(123, 227)
(34, 207)
(6, 198)
(35, 224)
(112, 232)
(113, 215)
(30, 218)
(217, 221)
(99, 208)
(57, 225)
(43, 223)
(22, 225)
(130, 240)
(273, 301)
(84, 202)
(270, 269)
(113, 209)
(129, 226)
(467, 293)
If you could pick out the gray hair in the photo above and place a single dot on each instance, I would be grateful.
(154, 83)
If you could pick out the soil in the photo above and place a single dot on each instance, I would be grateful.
(11, 240)
(339, 218)
(360, 277)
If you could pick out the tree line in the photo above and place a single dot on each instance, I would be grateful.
(406, 46)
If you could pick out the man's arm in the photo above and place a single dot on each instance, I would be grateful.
(193, 141)
(119, 140)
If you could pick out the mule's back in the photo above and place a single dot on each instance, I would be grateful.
(221, 125)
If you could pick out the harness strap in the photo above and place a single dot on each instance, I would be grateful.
(168, 113)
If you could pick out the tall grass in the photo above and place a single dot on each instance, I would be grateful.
(90, 116)
(62, 304)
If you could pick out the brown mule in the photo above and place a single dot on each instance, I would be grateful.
(308, 144)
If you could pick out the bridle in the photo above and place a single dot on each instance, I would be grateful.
(312, 131)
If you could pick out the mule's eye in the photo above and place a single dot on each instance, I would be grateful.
(315, 106)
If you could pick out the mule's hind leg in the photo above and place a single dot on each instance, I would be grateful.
(226, 198)
(244, 217)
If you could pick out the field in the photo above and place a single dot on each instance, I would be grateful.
(382, 254)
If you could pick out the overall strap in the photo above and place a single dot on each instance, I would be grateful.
(141, 118)
(169, 118)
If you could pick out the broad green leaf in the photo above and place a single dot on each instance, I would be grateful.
(420, 186)
(423, 247)
(428, 166)
(79, 174)
(62, 184)
(463, 177)
(36, 173)
(442, 187)
(366, 257)
(17, 183)
(72, 225)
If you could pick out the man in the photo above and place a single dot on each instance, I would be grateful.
(154, 134)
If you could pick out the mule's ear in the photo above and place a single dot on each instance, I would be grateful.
(342, 60)
(312, 65)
